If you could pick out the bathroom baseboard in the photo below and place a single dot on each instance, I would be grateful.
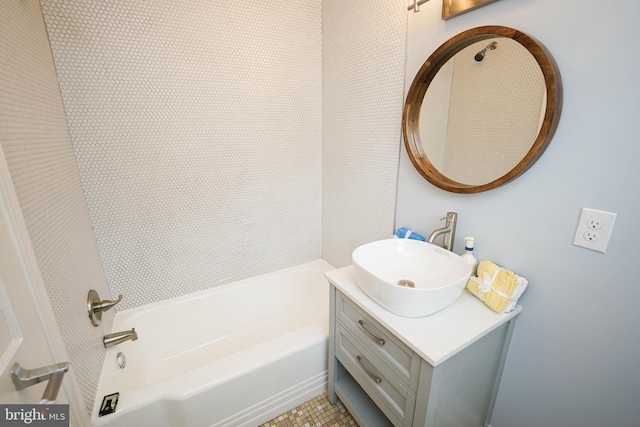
(279, 403)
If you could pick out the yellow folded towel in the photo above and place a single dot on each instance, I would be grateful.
(497, 287)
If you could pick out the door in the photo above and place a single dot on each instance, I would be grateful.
(28, 332)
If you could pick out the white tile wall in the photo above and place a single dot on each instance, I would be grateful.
(197, 130)
(363, 78)
(37, 146)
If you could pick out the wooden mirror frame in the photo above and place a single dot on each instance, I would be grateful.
(415, 96)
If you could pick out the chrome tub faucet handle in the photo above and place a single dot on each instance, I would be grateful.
(95, 306)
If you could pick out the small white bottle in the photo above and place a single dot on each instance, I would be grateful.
(468, 254)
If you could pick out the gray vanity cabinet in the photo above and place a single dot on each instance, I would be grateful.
(380, 377)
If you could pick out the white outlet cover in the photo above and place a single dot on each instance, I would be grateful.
(583, 229)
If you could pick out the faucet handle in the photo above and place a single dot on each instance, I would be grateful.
(105, 305)
(95, 306)
(450, 218)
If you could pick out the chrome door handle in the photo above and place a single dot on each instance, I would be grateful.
(23, 378)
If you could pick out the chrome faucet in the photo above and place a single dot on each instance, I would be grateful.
(116, 338)
(449, 231)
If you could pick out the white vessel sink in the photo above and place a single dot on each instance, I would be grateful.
(438, 276)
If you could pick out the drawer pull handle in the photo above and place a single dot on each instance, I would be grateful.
(378, 380)
(377, 340)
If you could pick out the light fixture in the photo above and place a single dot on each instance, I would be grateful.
(416, 5)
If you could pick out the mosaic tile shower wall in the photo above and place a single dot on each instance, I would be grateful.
(197, 130)
(363, 90)
(36, 143)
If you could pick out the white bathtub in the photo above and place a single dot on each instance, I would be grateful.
(236, 355)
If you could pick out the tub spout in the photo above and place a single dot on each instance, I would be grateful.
(449, 231)
(116, 338)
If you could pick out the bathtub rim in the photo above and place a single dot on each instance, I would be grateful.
(320, 264)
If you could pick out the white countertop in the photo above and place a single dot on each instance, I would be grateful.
(436, 337)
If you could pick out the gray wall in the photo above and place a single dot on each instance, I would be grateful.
(573, 358)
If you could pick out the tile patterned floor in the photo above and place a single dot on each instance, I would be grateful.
(318, 412)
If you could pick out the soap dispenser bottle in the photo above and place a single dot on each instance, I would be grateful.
(468, 254)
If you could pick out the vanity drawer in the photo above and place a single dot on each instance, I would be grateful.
(396, 355)
(390, 395)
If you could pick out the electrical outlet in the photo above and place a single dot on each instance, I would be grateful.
(591, 236)
(594, 229)
(594, 224)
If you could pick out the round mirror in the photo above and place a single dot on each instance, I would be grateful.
(482, 109)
